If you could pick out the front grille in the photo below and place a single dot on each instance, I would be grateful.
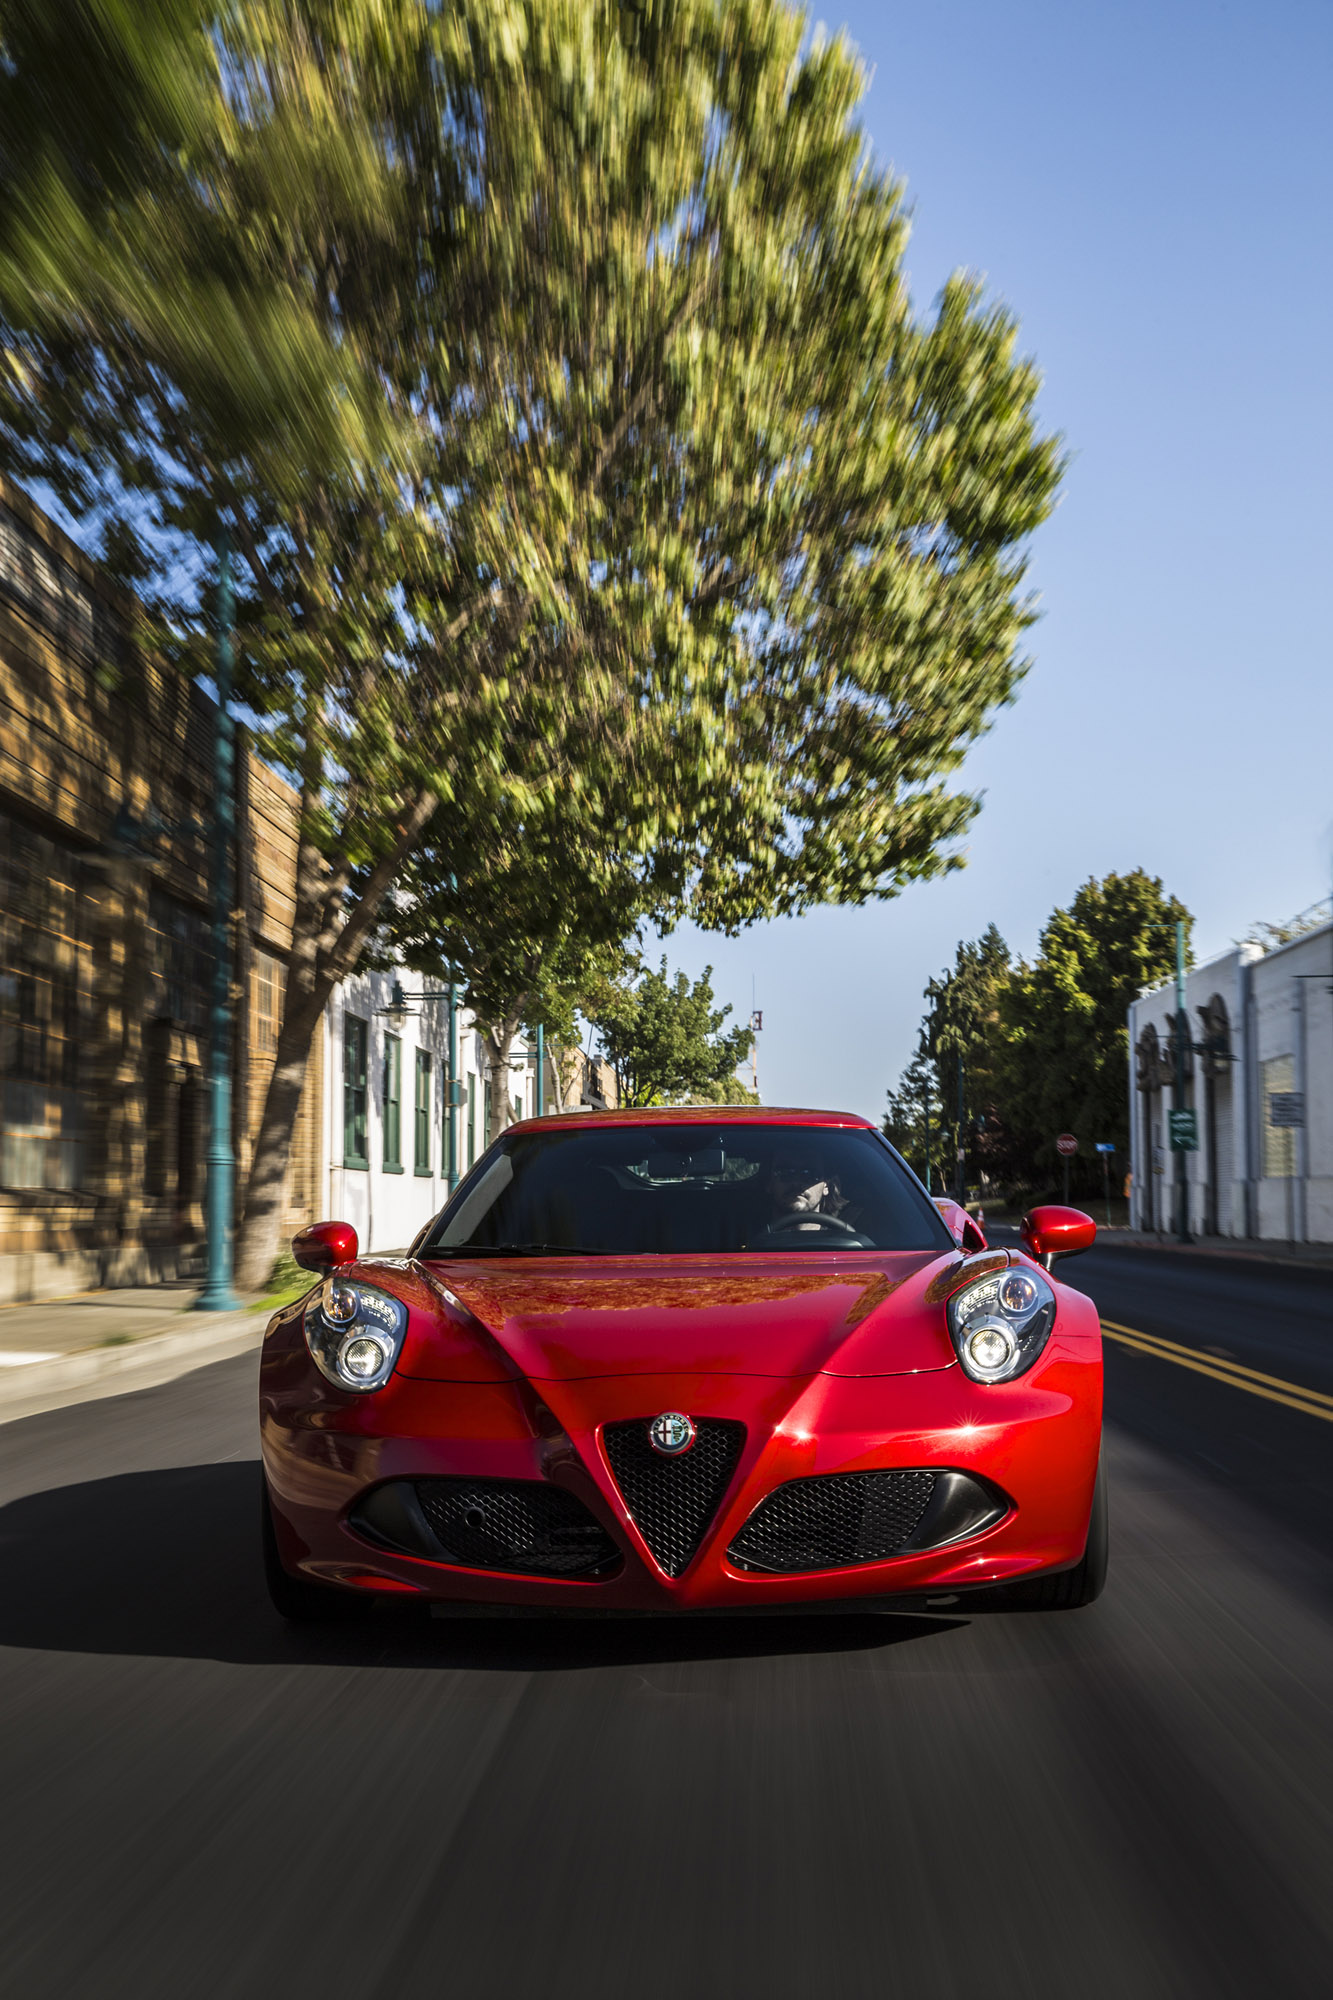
(832, 1521)
(672, 1500)
(520, 1525)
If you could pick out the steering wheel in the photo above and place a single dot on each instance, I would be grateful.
(808, 1221)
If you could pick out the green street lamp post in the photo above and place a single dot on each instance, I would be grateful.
(1182, 1038)
(541, 1069)
(218, 1295)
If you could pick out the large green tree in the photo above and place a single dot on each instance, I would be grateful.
(551, 365)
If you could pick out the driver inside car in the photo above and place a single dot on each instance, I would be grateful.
(798, 1186)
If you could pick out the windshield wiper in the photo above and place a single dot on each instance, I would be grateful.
(513, 1250)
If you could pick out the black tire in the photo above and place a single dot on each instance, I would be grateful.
(292, 1597)
(1072, 1589)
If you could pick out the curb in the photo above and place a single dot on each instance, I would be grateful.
(95, 1372)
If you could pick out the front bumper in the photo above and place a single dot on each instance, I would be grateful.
(1035, 1440)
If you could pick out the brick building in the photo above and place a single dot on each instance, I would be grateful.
(106, 769)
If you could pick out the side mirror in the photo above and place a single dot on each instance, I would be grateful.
(324, 1246)
(1052, 1231)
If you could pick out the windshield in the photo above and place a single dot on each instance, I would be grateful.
(649, 1191)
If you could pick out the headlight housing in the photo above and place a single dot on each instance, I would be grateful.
(355, 1333)
(1000, 1324)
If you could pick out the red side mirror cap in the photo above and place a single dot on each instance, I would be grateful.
(324, 1246)
(1052, 1231)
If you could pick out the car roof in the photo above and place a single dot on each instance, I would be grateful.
(696, 1114)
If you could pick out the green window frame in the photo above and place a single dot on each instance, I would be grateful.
(421, 1109)
(356, 1059)
(393, 1105)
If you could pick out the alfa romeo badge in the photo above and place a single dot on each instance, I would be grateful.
(671, 1433)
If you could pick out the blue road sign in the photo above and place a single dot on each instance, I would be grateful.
(1105, 1146)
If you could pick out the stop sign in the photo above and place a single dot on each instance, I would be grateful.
(1066, 1145)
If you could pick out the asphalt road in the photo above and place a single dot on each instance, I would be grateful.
(1132, 1800)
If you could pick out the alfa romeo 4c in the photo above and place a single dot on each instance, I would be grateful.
(681, 1361)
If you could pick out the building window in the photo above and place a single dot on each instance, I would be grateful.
(1279, 1140)
(45, 974)
(421, 1134)
(356, 1046)
(181, 951)
(393, 1105)
(266, 1002)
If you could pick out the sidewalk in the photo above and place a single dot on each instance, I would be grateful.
(98, 1344)
(1253, 1249)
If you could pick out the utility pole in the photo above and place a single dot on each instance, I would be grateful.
(217, 1295)
(541, 1066)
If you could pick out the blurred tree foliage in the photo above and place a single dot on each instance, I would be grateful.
(533, 919)
(550, 365)
(666, 1040)
(1044, 1047)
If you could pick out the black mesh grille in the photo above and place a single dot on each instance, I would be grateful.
(520, 1525)
(832, 1521)
(672, 1500)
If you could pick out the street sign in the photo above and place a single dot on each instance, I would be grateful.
(1286, 1107)
(1184, 1131)
(1105, 1146)
(1066, 1145)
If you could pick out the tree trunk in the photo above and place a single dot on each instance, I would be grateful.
(324, 953)
(559, 1088)
(266, 1190)
(499, 1038)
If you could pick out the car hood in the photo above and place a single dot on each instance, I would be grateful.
(866, 1313)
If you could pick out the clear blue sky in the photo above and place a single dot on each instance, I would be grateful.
(1150, 188)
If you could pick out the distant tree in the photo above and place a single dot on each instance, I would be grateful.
(1064, 1048)
(1268, 936)
(730, 1090)
(665, 1040)
(914, 1121)
(962, 1030)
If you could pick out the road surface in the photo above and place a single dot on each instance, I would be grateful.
(1133, 1800)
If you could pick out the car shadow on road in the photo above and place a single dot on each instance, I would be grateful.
(167, 1564)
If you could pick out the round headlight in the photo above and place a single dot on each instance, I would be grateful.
(990, 1347)
(363, 1357)
(1018, 1294)
(1001, 1322)
(355, 1333)
(338, 1303)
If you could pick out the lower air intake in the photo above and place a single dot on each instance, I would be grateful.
(522, 1527)
(833, 1521)
(672, 1500)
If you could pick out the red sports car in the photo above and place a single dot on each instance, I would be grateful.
(687, 1360)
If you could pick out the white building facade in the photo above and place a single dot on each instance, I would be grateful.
(387, 1118)
(1259, 1079)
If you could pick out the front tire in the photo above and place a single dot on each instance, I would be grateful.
(292, 1597)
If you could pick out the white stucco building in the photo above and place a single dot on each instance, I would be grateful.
(1259, 1052)
(386, 1111)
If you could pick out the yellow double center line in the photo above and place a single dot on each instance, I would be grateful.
(1311, 1402)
